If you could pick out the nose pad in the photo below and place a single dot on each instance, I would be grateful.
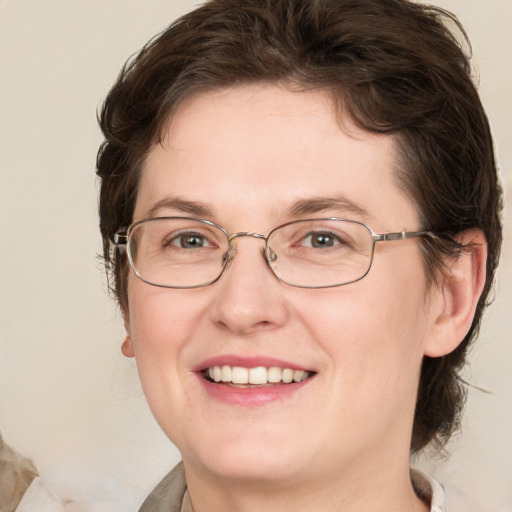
(270, 255)
(228, 256)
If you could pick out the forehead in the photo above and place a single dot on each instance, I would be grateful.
(267, 148)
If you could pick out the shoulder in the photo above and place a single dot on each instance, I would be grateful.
(168, 495)
(443, 498)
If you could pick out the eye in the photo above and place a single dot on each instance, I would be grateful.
(321, 240)
(188, 241)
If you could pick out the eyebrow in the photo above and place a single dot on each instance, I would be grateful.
(194, 208)
(318, 204)
(299, 208)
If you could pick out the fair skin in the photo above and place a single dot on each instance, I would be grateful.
(340, 440)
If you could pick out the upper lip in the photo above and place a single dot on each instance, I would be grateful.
(248, 362)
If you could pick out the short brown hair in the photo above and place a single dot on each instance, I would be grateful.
(392, 65)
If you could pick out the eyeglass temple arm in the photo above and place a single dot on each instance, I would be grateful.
(403, 235)
(117, 244)
(120, 239)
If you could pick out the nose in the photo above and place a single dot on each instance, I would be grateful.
(249, 298)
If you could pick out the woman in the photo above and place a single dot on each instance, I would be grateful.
(300, 210)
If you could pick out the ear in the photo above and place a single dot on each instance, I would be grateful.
(457, 296)
(127, 345)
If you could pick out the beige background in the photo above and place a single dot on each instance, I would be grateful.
(68, 399)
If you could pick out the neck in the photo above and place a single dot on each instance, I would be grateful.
(354, 491)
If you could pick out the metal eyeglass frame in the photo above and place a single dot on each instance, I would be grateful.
(121, 241)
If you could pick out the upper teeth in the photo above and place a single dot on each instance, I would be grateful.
(257, 375)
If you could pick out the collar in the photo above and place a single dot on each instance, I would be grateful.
(429, 490)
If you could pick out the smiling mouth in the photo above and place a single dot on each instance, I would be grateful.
(239, 376)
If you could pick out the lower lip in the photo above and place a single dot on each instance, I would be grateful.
(251, 396)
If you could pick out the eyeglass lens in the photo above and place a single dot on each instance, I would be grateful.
(184, 253)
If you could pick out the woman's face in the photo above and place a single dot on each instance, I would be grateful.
(244, 158)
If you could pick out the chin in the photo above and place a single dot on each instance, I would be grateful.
(254, 458)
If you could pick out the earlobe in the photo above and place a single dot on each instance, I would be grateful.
(127, 345)
(458, 295)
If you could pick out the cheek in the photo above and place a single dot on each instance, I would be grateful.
(161, 323)
(373, 335)
(160, 317)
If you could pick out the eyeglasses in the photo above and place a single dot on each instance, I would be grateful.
(182, 252)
